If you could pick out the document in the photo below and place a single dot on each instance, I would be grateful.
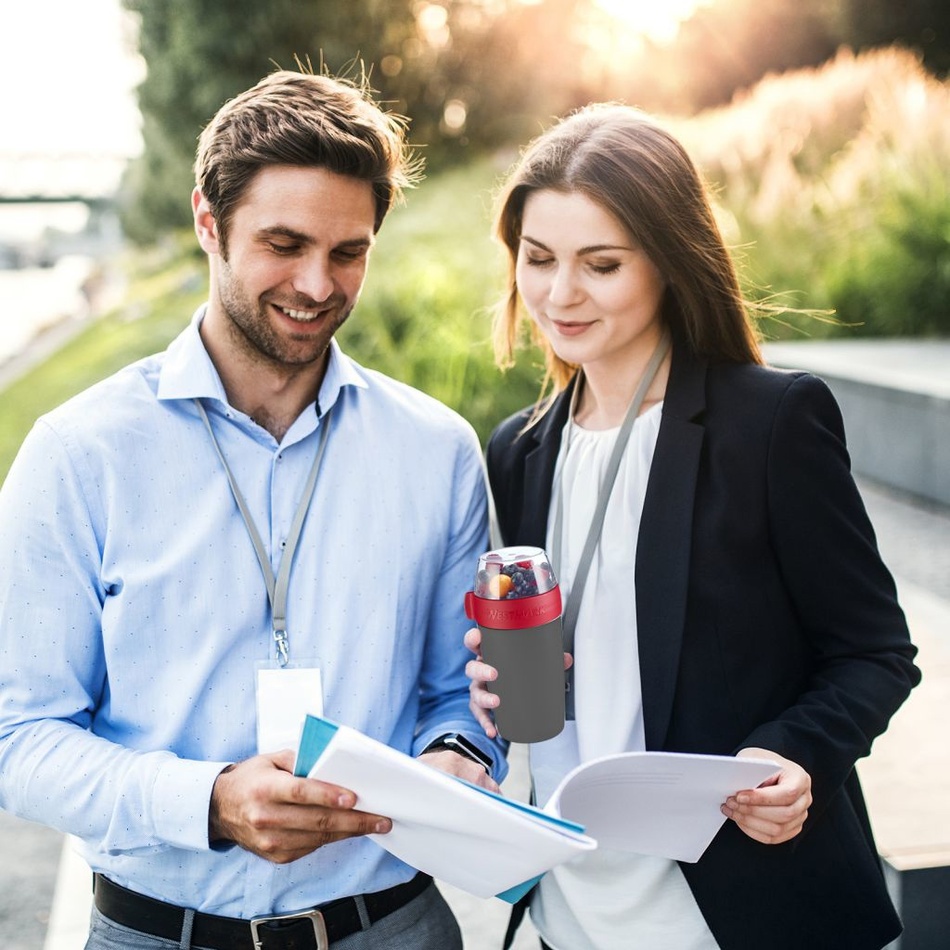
(478, 841)
(658, 803)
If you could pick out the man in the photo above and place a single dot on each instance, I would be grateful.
(174, 598)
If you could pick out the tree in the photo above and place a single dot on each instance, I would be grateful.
(726, 46)
(729, 45)
(921, 25)
(200, 53)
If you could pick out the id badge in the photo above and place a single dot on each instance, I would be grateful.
(285, 696)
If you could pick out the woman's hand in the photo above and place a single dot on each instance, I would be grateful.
(776, 810)
(480, 673)
(481, 701)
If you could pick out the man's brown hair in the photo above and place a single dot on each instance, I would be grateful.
(307, 120)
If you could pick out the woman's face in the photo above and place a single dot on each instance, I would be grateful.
(592, 291)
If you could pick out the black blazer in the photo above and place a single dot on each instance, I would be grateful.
(766, 618)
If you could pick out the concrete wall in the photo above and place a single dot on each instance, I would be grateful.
(895, 399)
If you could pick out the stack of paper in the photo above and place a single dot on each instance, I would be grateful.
(478, 841)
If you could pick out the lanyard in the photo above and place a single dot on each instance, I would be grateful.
(573, 605)
(276, 586)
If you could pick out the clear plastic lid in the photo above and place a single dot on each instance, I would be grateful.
(512, 573)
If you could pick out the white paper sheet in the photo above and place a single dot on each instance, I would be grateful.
(658, 803)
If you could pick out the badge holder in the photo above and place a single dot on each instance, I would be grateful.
(285, 696)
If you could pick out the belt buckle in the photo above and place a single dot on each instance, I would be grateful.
(314, 916)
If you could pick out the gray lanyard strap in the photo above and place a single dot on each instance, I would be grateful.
(276, 587)
(573, 605)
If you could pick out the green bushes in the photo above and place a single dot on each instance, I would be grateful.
(896, 279)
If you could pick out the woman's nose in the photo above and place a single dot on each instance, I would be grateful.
(564, 288)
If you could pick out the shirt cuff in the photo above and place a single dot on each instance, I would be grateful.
(182, 801)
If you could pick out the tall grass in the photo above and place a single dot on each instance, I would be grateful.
(165, 286)
(835, 185)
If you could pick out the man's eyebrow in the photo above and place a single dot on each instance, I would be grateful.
(357, 242)
(280, 230)
(589, 249)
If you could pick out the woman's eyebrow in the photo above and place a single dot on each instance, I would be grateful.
(589, 249)
(536, 243)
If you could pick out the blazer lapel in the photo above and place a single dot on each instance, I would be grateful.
(539, 471)
(663, 548)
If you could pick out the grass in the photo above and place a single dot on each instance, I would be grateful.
(424, 316)
(164, 289)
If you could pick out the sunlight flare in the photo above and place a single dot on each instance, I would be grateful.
(649, 19)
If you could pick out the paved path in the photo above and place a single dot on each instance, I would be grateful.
(30, 856)
(905, 778)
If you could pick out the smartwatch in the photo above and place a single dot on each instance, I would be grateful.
(458, 743)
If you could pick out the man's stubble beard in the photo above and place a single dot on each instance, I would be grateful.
(250, 328)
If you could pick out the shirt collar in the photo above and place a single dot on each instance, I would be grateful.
(341, 372)
(188, 373)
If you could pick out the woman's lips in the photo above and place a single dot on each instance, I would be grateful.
(570, 329)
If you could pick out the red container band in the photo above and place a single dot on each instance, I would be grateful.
(516, 613)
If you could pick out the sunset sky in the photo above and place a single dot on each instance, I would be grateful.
(656, 19)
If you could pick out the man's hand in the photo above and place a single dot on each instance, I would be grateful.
(454, 764)
(776, 810)
(260, 805)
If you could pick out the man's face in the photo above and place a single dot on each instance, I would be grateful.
(297, 249)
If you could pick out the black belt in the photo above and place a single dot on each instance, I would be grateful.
(305, 930)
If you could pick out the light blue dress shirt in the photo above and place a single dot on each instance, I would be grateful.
(134, 611)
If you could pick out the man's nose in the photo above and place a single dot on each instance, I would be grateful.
(314, 279)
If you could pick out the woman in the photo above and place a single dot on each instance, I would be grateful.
(735, 603)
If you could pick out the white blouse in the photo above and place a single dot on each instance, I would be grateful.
(607, 900)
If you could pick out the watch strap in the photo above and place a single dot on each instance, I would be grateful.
(457, 743)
